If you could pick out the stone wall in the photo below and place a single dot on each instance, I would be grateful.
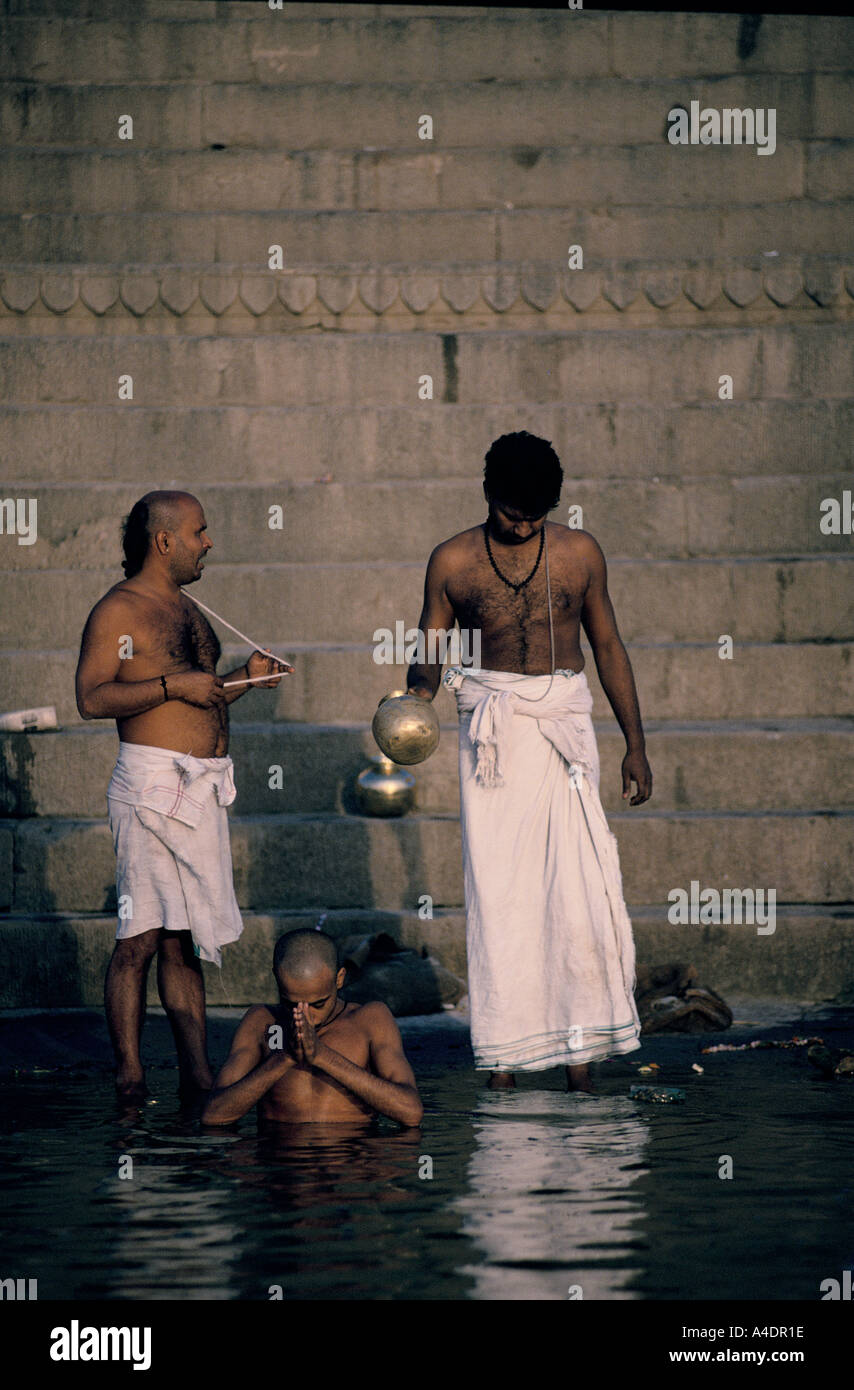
(298, 386)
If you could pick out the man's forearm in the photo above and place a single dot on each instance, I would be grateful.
(618, 682)
(240, 673)
(122, 699)
(397, 1102)
(231, 1103)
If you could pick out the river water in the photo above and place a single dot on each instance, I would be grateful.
(534, 1194)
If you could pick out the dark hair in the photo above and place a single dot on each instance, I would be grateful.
(135, 538)
(524, 471)
(303, 948)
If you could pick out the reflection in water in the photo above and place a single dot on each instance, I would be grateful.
(326, 1197)
(175, 1232)
(549, 1202)
(237, 1214)
(531, 1192)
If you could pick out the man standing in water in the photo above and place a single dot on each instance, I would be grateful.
(148, 660)
(550, 951)
(314, 1058)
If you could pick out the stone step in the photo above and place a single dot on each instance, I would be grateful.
(354, 861)
(344, 43)
(280, 114)
(784, 764)
(167, 11)
(791, 227)
(807, 957)
(676, 681)
(59, 960)
(99, 443)
(620, 365)
(797, 599)
(86, 182)
(672, 519)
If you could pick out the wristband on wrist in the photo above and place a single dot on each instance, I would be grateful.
(165, 691)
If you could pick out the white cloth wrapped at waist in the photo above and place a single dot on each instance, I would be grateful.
(170, 782)
(489, 697)
(548, 937)
(173, 854)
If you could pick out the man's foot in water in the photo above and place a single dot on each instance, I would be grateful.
(578, 1079)
(502, 1081)
(131, 1085)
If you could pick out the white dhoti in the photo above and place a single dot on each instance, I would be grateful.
(170, 831)
(551, 958)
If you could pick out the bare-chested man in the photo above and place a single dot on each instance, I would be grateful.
(148, 660)
(551, 957)
(314, 1058)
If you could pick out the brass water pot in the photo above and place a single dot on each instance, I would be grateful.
(383, 789)
(405, 727)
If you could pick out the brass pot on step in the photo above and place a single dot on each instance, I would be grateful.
(383, 789)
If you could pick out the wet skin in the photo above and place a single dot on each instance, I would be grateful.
(315, 1059)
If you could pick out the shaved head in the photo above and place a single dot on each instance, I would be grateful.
(166, 510)
(304, 953)
(178, 513)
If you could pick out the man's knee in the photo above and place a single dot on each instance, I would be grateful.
(138, 950)
(178, 946)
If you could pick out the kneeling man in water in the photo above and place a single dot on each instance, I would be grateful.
(314, 1057)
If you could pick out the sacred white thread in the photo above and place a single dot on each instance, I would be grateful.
(263, 650)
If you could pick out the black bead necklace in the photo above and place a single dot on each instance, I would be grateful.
(509, 582)
(333, 1018)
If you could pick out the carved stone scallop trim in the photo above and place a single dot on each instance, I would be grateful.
(460, 291)
(139, 293)
(806, 282)
(337, 292)
(19, 292)
(58, 292)
(378, 291)
(257, 293)
(419, 292)
(501, 290)
(99, 292)
(297, 292)
(217, 292)
(179, 291)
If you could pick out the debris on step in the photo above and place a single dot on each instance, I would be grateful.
(671, 999)
(657, 1095)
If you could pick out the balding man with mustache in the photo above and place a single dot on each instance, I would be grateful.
(148, 660)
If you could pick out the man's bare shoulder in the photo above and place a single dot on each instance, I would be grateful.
(457, 547)
(375, 1019)
(117, 605)
(574, 543)
(125, 603)
(572, 538)
(253, 1025)
(258, 1017)
(259, 1012)
(122, 597)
